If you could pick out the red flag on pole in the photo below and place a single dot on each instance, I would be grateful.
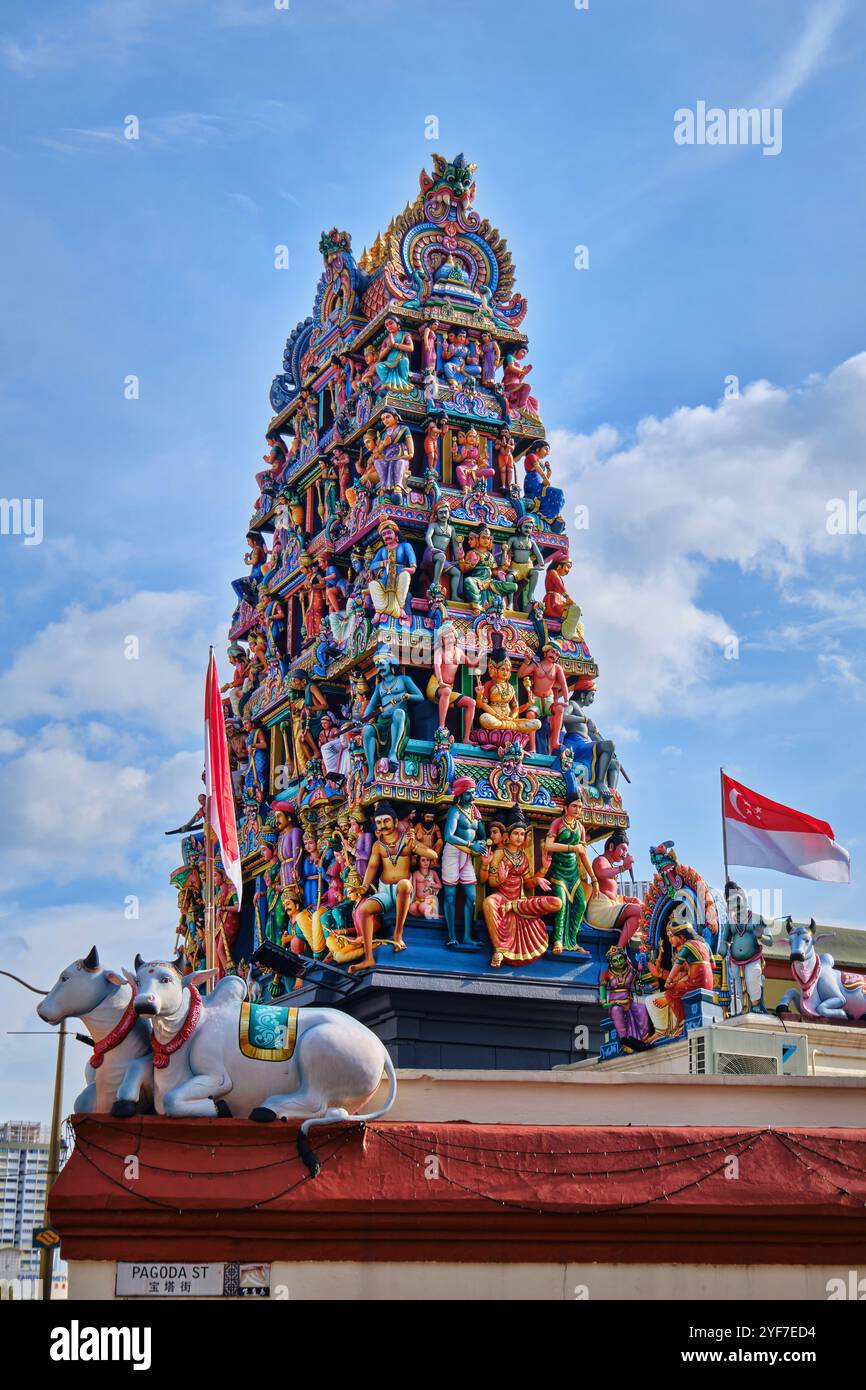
(220, 805)
(767, 835)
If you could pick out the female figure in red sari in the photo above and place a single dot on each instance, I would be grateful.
(518, 392)
(514, 922)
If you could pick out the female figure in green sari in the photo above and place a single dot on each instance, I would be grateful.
(570, 870)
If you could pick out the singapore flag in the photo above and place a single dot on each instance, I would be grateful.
(766, 835)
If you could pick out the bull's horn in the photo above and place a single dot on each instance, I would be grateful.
(813, 925)
(91, 960)
(138, 962)
(788, 921)
(178, 962)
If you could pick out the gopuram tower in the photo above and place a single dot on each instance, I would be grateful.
(408, 704)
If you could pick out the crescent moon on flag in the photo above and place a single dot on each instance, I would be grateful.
(746, 810)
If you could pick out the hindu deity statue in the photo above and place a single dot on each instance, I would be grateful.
(618, 986)
(526, 560)
(246, 589)
(596, 755)
(239, 659)
(392, 454)
(451, 281)
(441, 547)
(514, 920)
(387, 881)
(428, 336)
(505, 460)
(692, 969)
(607, 909)
(392, 365)
(463, 839)
(571, 874)
(432, 437)
(448, 657)
(313, 599)
(391, 571)
(558, 603)
(490, 359)
(537, 486)
(498, 702)
(743, 938)
(256, 780)
(484, 575)
(385, 720)
(460, 359)
(518, 392)
(470, 458)
(547, 687)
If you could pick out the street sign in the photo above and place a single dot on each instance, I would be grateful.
(45, 1238)
(188, 1279)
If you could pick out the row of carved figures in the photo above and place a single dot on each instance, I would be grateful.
(338, 893)
(387, 458)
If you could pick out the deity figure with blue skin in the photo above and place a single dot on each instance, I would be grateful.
(598, 755)
(256, 556)
(274, 617)
(459, 359)
(392, 367)
(391, 571)
(536, 484)
(451, 281)
(385, 719)
(256, 781)
(464, 836)
(311, 872)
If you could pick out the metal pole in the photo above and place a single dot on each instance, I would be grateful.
(209, 922)
(724, 829)
(46, 1258)
(209, 915)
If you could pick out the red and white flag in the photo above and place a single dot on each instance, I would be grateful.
(220, 807)
(767, 835)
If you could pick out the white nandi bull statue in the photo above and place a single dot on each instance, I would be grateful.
(220, 1055)
(824, 992)
(119, 1074)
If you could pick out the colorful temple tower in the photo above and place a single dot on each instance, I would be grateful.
(408, 709)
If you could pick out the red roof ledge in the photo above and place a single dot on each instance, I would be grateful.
(158, 1189)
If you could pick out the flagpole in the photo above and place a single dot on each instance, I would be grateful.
(724, 827)
(209, 915)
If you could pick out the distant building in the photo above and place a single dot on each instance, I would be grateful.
(23, 1179)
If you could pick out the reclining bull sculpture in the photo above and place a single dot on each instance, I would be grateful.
(319, 1065)
(825, 991)
(119, 1074)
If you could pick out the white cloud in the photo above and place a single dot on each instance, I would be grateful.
(244, 201)
(78, 666)
(743, 483)
(807, 55)
(106, 31)
(91, 818)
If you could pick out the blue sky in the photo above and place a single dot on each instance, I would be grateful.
(155, 257)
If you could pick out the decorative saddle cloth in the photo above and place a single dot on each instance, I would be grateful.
(268, 1031)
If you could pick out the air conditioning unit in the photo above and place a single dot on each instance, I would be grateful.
(721, 1051)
